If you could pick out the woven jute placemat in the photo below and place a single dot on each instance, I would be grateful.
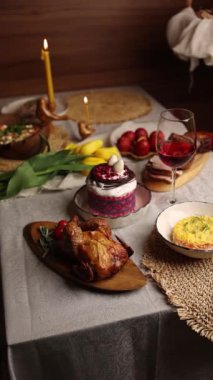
(187, 283)
(58, 139)
(109, 106)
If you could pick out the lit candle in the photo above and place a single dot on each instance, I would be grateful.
(45, 56)
(87, 110)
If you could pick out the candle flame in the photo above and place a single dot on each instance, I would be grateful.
(45, 44)
(85, 100)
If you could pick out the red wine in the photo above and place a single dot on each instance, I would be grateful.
(176, 153)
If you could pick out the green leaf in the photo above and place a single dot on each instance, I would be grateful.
(6, 176)
(23, 178)
(46, 160)
(3, 189)
(38, 170)
(67, 167)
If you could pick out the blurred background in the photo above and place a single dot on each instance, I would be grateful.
(100, 43)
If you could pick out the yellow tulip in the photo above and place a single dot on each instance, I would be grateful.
(90, 147)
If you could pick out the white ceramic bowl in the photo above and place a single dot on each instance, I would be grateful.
(171, 215)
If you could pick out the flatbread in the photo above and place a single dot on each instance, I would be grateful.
(108, 106)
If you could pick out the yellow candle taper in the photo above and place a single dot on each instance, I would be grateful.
(45, 56)
(87, 110)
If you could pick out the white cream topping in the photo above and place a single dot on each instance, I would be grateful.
(113, 159)
(113, 191)
(119, 166)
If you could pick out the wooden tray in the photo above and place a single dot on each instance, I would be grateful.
(128, 278)
(196, 166)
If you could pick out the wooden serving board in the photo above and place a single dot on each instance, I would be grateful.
(196, 166)
(128, 278)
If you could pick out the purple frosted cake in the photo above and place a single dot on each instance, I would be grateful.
(111, 189)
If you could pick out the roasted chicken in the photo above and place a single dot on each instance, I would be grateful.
(94, 253)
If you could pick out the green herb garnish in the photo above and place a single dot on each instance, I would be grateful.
(15, 128)
(46, 239)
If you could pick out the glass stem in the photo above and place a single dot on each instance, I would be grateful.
(173, 199)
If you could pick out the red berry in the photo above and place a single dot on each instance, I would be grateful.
(124, 144)
(130, 135)
(58, 231)
(141, 132)
(62, 223)
(142, 147)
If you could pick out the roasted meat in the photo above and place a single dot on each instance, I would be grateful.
(94, 253)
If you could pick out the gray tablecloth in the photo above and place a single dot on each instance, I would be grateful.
(56, 329)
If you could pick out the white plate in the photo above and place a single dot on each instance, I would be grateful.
(143, 198)
(150, 126)
(14, 106)
(171, 215)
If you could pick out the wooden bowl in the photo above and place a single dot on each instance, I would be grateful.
(20, 150)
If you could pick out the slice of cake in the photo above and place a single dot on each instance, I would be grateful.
(111, 189)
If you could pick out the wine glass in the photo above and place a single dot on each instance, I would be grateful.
(176, 140)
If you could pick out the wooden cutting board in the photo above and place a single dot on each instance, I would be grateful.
(128, 278)
(188, 174)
